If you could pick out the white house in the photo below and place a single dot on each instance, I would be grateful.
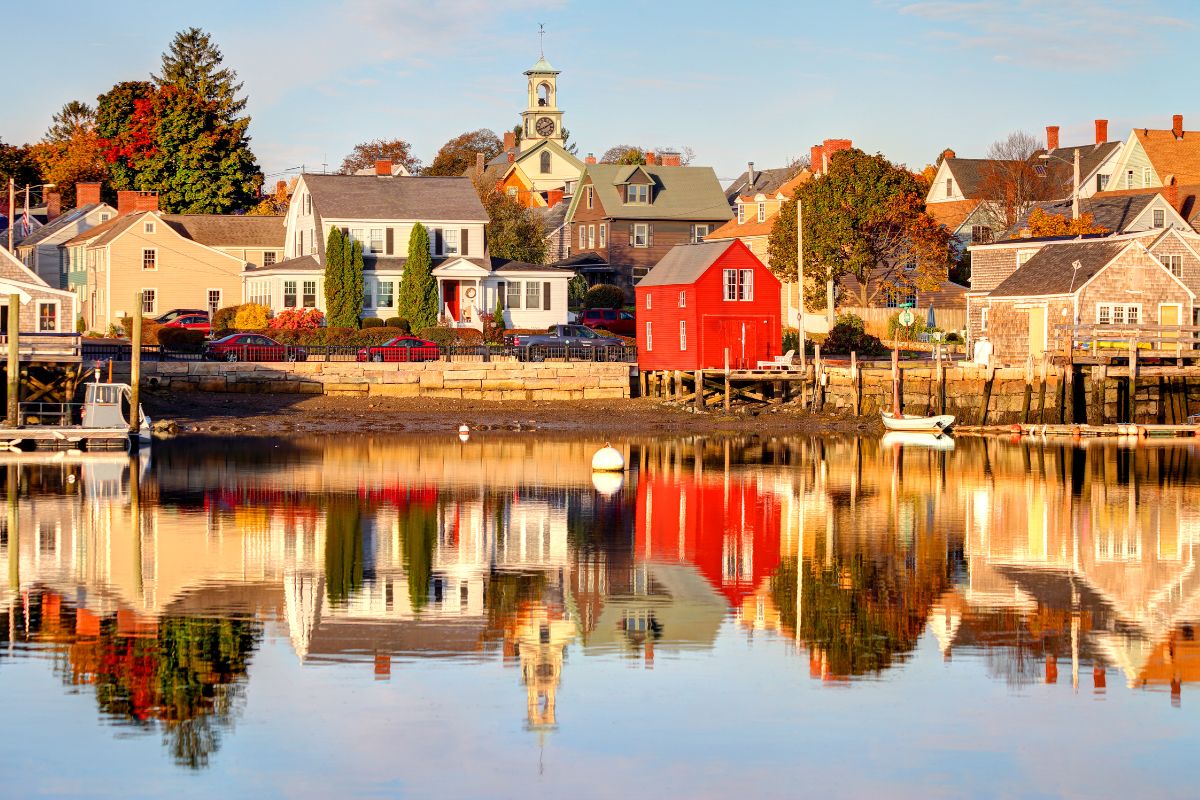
(42, 250)
(380, 211)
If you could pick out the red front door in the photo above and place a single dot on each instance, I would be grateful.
(450, 292)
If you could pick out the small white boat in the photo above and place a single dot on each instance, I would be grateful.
(914, 424)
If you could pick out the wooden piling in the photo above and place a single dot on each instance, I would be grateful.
(698, 398)
(818, 380)
(1095, 399)
(1133, 380)
(135, 364)
(727, 387)
(987, 394)
(642, 384)
(1041, 412)
(855, 384)
(1027, 400)
(14, 359)
(678, 385)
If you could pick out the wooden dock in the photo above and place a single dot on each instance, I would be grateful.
(67, 437)
(1081, 431)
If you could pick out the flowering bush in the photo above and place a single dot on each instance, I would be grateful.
(297, 319)
(252, 317)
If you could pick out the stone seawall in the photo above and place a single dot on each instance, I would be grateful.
(499, 380)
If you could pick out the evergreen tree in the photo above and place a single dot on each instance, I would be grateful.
(194, 63)
(418, 289)
(334, 248)
(498, 314)
(74, 117)
(353, 281)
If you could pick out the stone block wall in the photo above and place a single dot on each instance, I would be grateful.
(500, 380)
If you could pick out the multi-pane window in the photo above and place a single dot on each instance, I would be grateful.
(513, 298)
(356, 234)
(368, 298)
(1160, 218)
(450, 239)
(1173, 263)
(268, 258)
(683, 334)
(289, 294)
(1129, 179)
(637, 193)
(386, 294)
(533, 294)
(587, 196)
(310, 294)
(214, 301)
(762, 212)
(648, 296)
(149, 301)
(376, 240)
(741, 213)
(591, 237)
(148, 227)
(603, 235)
(1101, 183)
(1118, 314)
(900, 298)
(641, 234)
(149, 258)
(699, 232)
(1146, 176)
(983, 319)
(949, 187)
(981, 233)
(649, 337)
(582, 237)
(739, 284)
(545, 163)
(683, 298)
(47, 317)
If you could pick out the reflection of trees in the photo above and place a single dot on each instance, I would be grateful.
(507, 593)
(343, 549)
(418, 529)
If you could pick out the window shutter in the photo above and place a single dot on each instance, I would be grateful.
(650, 235)
(391, 241)
(546, 295)
(500, 294)
(631, 226)
(345, 231)
(437, 241)
(462, 242)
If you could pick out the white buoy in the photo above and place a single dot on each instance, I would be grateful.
(608, 483)
(464, 433)
(608, 459)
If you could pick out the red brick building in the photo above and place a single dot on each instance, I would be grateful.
(703, 299)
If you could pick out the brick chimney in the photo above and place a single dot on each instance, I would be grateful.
(831, 146)
(510, 140)
(947, 153)
(591, 158)
(383, 167)
(53, 206)
(816, 159)
(130, 202)
(1051, 137)
(1171, 191)
(1177, 126)
(554, 197)
(87, 194)
(670, 159)
(1101, 131)
(650, 162)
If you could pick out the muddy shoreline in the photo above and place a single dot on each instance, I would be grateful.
(219, 414)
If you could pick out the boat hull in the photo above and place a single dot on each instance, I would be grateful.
(914, 424)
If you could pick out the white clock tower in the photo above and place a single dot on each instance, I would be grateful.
(541, 118)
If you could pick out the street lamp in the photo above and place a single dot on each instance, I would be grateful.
(12, 204)
(1075, 190)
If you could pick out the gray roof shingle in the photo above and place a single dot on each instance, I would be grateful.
(765, 181)
(684, 263)
(1115, 213)
(227, 230)
(50, 228)
(1050, 270)
(398, 197)
(682, 193)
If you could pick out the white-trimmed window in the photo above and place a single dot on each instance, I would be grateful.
(149, 301)
(949, 187)
(1118, 313)
(587, 195)
(591, 237)
(47, 316)
(603, 235)
(309, 298)
(1025, 255)
(699, 232)
(741, 213)
(582, 237)
(149, 258)
(368, 295)
(747, 285)
(148, 226)
(1160, 218)
(762, 212)
(214, 301)
(269, 258)
(1128, 179)
(289, 294)
(641, 234)
(739, 284)
(1146, 176)
(513, 298)
(1101, 183)
(683, 298)
(1173, 263)
(983, 319)
(649, 336)
(637, 194)
(376, 240)
(356, 234)
(647, 301)
(683, 334)
(385, 294)
(307, 204)
(450, 240)
(533, 294)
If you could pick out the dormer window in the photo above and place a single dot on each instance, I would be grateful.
(148, 227)
(949, 187)
(587, 196)
(741, 213)
(1160, 218)
(638, 193)
(762, 212)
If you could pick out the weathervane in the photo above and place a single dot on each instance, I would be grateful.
(541, 39)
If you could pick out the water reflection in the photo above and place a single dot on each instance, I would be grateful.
(155, 584)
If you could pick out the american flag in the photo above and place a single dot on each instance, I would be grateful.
(26, 225)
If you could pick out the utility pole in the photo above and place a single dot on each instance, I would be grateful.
(1075, 192)
(135, 367)
(800, 279)
(14, 359)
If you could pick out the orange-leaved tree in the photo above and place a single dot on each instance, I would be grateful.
(1043, 223)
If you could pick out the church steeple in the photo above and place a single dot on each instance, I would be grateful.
(541, 119)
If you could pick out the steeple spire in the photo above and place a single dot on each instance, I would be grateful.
(541, 40)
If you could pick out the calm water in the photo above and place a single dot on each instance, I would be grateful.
(737, 617)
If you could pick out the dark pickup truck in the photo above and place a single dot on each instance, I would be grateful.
(568, 341)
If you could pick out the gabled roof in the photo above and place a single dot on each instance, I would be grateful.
(1050, 270)
(682, 193)
(46, 231)
(553, 217)
(501, 160)
(1186, 197)
(105, 232)
(508, 265)
(1170, 156)
(1114, 212)
(417, 198)
(685, 263)
(766, 181)
(371, 263)
(227, 230)
(969, 174)
(952, 213)
(1061, 161)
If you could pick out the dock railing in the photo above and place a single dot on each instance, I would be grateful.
(1112, 340)
(47, 346)
(121, 352)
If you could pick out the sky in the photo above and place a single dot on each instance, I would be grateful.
(740, 82)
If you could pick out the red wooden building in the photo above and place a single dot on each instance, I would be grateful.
(702, 299)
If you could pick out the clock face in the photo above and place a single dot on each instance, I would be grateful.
(545, 126)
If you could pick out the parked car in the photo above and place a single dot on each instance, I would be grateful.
(574, 341)
(402, 348)
(192, 322)
(176, 313)
(621, 323)
(251, 347)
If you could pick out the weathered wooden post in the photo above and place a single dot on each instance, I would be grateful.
(987, 394)
(818, 384)
(135, 365)
(726, 380)
(855, 384)
(940, 377)
(14, 531)
(1133, 380)
(678, 385)
(1042, 390)
(698, 400)
(14, 359)
(1027, 401)
(643, 386)
(1098, 375)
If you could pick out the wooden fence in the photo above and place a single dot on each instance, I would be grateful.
(876, 319)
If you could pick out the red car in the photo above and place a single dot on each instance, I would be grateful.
(621, 323)
(402, 348)
(251, 347)
(192, 322)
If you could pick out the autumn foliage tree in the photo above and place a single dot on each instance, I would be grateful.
(365, 154)
(458, 155)
(1012, 178)
(276, 203)
(514, 232)
(71, 151)
(1043, 223)
(865, 219)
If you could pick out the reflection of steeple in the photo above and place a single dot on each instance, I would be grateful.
(542, 639)
(303, 594)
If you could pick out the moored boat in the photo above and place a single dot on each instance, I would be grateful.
(912, 423)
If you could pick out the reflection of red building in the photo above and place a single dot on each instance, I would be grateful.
(726, 526)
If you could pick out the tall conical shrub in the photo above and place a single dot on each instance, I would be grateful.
(334, 262)
(418, 301)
